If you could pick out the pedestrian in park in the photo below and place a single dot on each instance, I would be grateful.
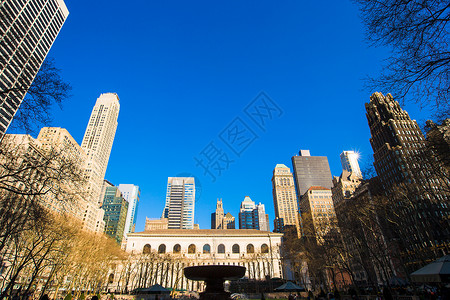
(94, 298)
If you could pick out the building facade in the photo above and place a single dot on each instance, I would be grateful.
(253, 216)
(344, 187)
(318, 203)
(284, 198)
(349, 162)
(28, 29)
(156, 224)
(229, 222)
(116, 208)
(408, 174)
(310, 171)
(220, 220)
(98, 140)
(131, 193)
(180, 202)
(217, 216)
(160, 256)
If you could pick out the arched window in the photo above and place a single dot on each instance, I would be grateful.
(147, 249)
(264, 248)
(111, 278)
(250, 248)
(162, 248)
(206, 248)
(177, 248)
(191, 249)
(221, 248)
(235, 248)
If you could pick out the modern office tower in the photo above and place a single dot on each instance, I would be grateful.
(131, 193)
(180, 202)
(217, 216)
(310, 171)
(401, 163)
(318, 202)
(28, 29)
(105, 184)
(344, 187)
(116, 208)
(349, 161)
(229, 222)
(98, 140)
(284, 197)
(247, 217)
(252, 216)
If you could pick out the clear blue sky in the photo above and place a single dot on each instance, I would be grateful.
(184, 70)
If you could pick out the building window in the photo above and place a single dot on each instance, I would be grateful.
(235, 248)
(264, 248)
(221, 248)
(162, 249)
(177, 248)
(191, 249)
(147, 249)
(206, 249)
(250, 248)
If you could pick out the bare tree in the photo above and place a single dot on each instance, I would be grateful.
(47, 90)
(418, 33)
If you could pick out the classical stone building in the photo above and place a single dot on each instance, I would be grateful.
(159, 256)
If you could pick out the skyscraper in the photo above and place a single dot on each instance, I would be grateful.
(60, 142)
(252, 216)
(180, 202)
(349, 161)
(131, 194)
(220, 220)
(310, 171)
(217, 216)
(407, 171)
(98, 140)
(318, 202)
(284, 198)
(116, 208)
(28, 29)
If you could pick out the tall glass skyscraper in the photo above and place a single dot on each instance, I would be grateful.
(253, 216)
(311, 171)
(131, 194)
(28, 29)
(98, 140)
(116, 208)
(180, 202)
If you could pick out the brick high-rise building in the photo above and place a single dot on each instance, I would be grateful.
(419, 196)
(28, 29)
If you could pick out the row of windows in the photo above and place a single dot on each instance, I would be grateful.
(206, 248)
